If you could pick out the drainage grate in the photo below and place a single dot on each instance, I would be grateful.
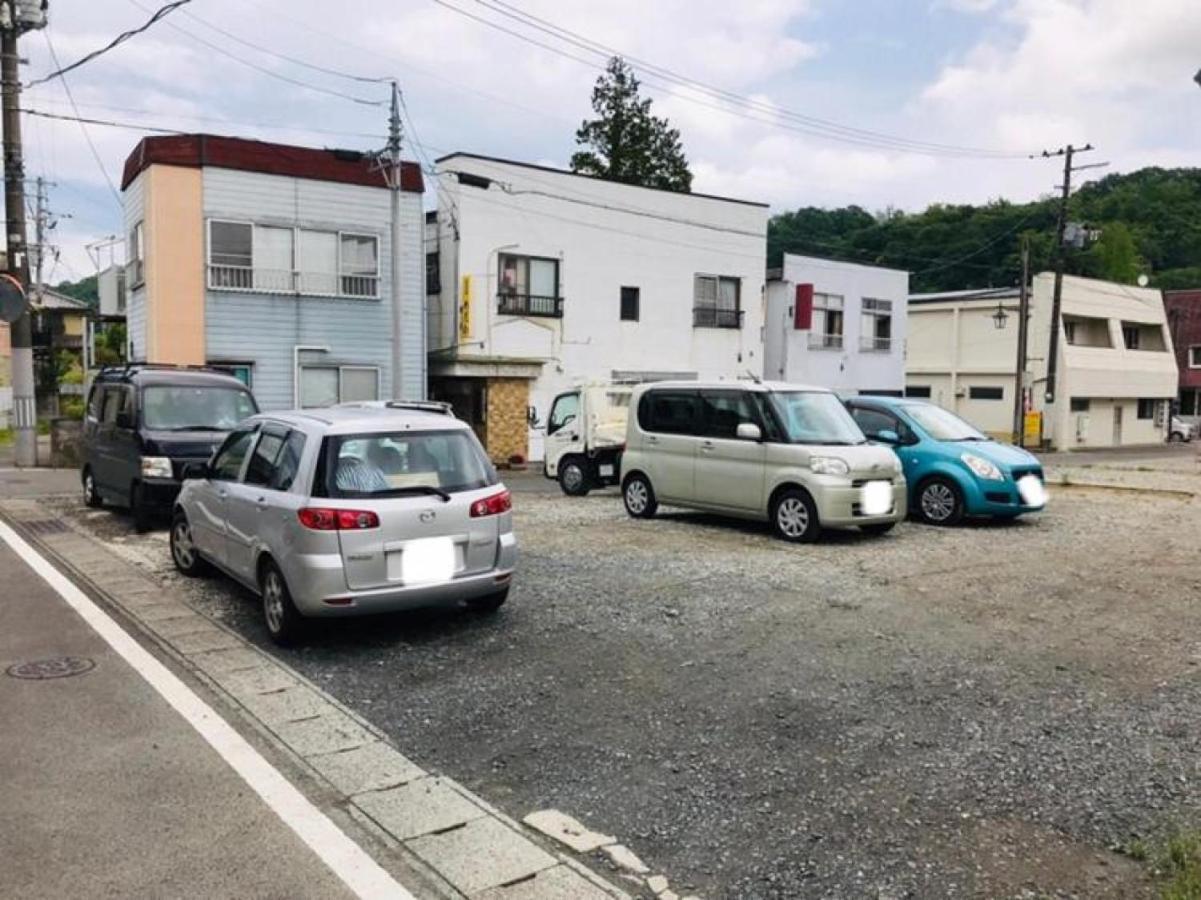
(45, 526)
(59, 667)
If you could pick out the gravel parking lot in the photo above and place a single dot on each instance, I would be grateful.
(985, 711)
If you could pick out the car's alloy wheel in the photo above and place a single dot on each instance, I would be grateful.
(90, 497)
(182, 547)
(639, 497)
(273, 601)
(573, 479)
(939, 503)
(792, 517)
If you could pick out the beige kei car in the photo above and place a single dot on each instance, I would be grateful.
(784, 453)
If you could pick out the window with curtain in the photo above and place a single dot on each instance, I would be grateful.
(273, 258)
(528, 285)
(360, 265)
(827, 322)
(716, 301)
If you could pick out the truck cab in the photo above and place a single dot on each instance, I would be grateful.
(585, 436)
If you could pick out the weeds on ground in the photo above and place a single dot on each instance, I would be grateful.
(6, 436)
(1176, 864)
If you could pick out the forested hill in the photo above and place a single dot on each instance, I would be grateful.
(1149, 220)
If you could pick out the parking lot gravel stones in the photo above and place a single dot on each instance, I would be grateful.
(983, 711)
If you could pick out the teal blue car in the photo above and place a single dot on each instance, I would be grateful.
(952, 468)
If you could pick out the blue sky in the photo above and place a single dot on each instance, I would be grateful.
(1007, 75)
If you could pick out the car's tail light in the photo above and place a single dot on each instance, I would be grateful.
(492, 506)
(319, 519)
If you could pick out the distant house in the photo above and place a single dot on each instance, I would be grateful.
(1184, 322)
(540, 279)
(837, 324)
(275, 263)
(1115, 375)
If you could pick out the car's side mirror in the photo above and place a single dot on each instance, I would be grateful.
(194, 471)
(887, 436)
(748, 431)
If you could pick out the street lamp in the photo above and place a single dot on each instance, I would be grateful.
(1000, 317)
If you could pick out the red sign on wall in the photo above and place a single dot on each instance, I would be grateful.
(802, 311)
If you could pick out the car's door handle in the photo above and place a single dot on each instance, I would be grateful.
(706, 445)
(222, 494)
(652, 439)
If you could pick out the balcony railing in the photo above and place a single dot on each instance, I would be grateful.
(529, 305)
(875, 344)
(286, 281)
(821, 341)
(712, 317)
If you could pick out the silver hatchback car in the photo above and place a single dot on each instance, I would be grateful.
(349, 511)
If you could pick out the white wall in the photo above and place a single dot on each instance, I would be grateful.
(849, 369)
(659, 247)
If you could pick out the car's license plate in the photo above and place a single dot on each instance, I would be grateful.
(876, 498)
(1032, 491)
(427, 560)
(606, 471)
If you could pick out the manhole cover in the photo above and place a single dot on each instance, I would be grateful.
(59, 667)
(45, 526)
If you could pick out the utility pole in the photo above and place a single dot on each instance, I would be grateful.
(1060, 258)
(14, 20)
(1019, 399)
(393, 167)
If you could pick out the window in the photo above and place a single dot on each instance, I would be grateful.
(1069, 331)
(921, 391)
(173, 408)
(528, 286)
(330, 385)
(876, 325)
(873, 421)
(285, 259)
(1079, 404)
(1130, 335)
(716, 302)
(261, 470)
(668, 412)
(1146, 408)
(563, 412)
(359, 262)
(136, 256)
(243, 371)
(630, 297)
(814, 417)
(1194, 356)
(1190, 403)
(288, 462)
(723, 411)
(827, 322)
(433, 272)
(228, 463)
(985, 392)
(116, 401)
(395, 464)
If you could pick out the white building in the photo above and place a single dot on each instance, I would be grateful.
(1116, 373)
(540, 279)
(837, 324)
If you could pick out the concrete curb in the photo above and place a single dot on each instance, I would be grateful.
(1068, 481)
(452, 842)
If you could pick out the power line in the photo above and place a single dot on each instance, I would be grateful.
(812, 129)
(124, 36)
(82, 126)
(217, 48)
(835, 128)
(109, 124)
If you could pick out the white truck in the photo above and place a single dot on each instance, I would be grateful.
(585, 436)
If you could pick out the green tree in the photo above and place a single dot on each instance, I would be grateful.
(625, 142)
(85, 289)
(1116, 255)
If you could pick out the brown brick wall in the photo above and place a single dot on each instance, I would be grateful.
(507, 431)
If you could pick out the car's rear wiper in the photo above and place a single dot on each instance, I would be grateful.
(197, 428)
(421, 489)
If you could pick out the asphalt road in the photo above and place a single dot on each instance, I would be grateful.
(984, 711)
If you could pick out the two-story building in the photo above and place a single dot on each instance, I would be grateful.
(274, 262)
(1115, 375)
(1184, 322)
(541, 279)
(836, 324)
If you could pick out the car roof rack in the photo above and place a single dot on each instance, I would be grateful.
(435, 406)
(131, 367)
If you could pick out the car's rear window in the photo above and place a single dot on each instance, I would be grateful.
(398, 463)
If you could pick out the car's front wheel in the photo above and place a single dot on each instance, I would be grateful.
(639, 497)
(184, 554)
(794, 516)
(940, 502)
(91, 496)
(573, 477)
(284, 622)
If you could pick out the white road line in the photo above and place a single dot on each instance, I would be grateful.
(343, 856)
